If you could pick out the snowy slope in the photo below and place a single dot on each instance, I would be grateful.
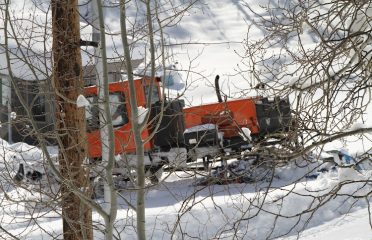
(309, 208)
(223, 211)
(209, 40)
(219, 28)
(351, 226)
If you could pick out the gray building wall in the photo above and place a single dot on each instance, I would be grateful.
(39, 98)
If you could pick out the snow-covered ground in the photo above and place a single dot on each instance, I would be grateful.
(332, 206)
(351, 226)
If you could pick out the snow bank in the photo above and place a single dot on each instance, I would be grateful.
(14, 154)
(350, 226)
(280, 211)
(176, 209)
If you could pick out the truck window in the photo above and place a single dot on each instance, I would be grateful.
(91, 114)
(118, 111)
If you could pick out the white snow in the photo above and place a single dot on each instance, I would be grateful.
(359, 125)
(81, 101)
(246, 135)
(202, 127)
(142, 111)
(13, 115)
(351, 226)
(171, 77)
(217, 211)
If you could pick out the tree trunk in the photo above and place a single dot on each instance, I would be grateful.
(70, 120)
(136, 130)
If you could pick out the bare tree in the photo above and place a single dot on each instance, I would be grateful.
(152, 9)
(71, 126)
(320, 59)
(318, 54)
(72, 170)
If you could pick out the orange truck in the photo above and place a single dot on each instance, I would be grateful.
(185, 134)
(182, 134)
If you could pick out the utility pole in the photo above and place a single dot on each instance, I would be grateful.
(70, 120)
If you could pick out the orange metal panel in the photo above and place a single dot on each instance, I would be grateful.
(229, 116)
(124, 140)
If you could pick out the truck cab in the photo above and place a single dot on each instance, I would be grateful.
(120, 113)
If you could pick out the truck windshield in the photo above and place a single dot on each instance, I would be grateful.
(117, 107)
(91, 114)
